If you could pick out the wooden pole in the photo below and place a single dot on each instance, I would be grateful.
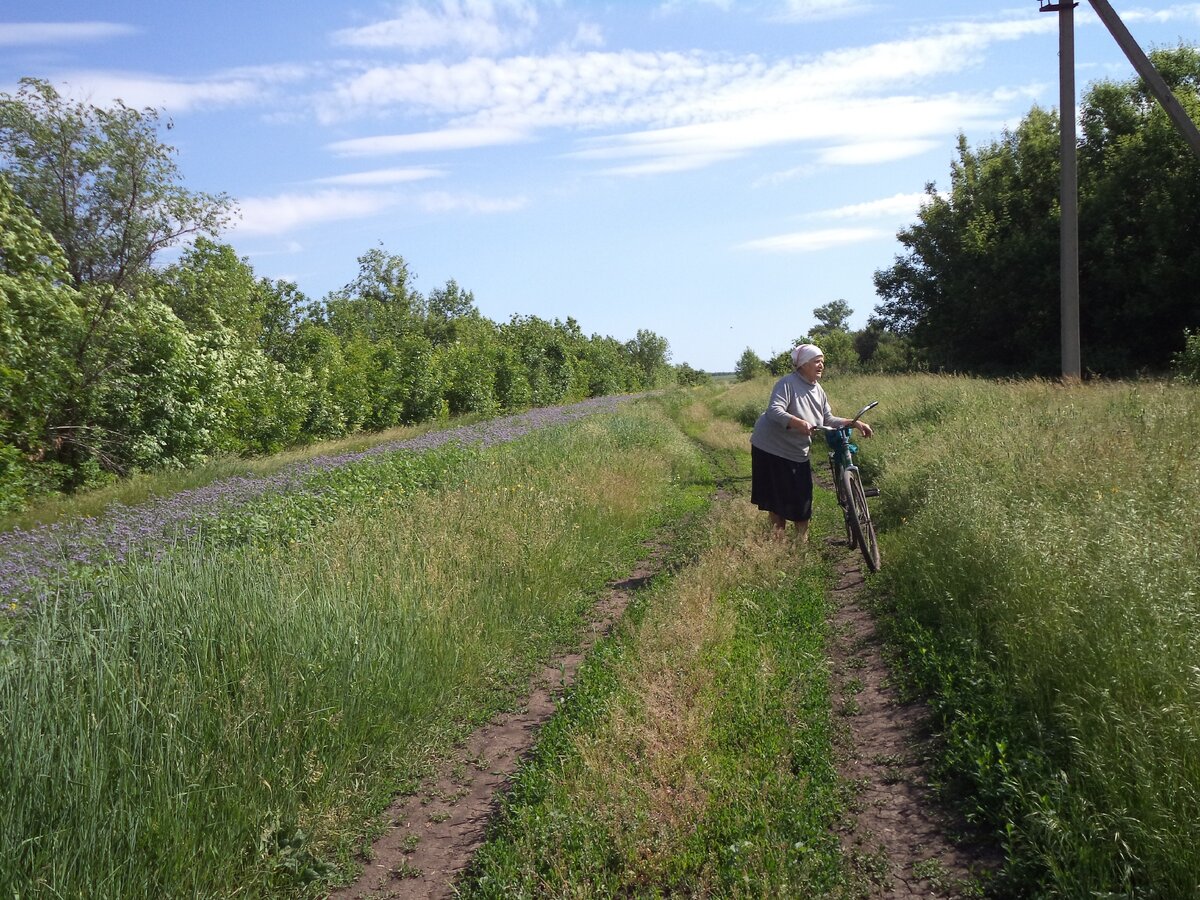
(1068, 197)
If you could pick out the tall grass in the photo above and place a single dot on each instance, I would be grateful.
(1042, 550)
(222, 723)
(694, 757)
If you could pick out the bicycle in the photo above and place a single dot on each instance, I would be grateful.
(851, 494)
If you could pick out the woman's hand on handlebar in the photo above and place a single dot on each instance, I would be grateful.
(801, 426)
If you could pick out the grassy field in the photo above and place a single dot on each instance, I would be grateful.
(694, 757)
(225, 721)
(230, 720)
(1042, 572)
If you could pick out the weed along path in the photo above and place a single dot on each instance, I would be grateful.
(435, 832)
(896, 835)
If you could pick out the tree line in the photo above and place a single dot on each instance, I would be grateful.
(874, 349)
(111, 364)
(977, 288)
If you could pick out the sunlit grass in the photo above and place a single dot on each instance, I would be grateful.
(224, 722)
(694, 758)
(1043, 556)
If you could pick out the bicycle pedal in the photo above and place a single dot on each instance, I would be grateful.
(871, 492)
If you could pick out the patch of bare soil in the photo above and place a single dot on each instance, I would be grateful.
(435, 832)
(898, 838)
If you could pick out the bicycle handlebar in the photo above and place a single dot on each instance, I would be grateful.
(850, 422)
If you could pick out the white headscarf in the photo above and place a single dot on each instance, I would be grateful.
(804, 353)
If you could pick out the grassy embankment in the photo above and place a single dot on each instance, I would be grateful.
(1042, 576)
(222, 722)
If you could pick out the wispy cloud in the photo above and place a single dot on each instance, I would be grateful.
(288, 212)
(897, 206)
(476, 26)
(813, 241)
(873, 152)
(688, 110)
(429, 141)
(1180, 12)
(17, 34)
(588, 34)
(382, 176)
(233, 88)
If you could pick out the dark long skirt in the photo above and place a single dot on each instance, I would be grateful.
(780, 485)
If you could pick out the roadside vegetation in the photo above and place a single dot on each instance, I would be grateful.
(1042, 564)
(234, 715)
(114, 364)
(226, 718)
(1041, 586)
(694, 756)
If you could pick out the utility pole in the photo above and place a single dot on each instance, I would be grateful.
(1069, 190)
(1068, 203)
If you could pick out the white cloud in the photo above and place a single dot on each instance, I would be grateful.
(873, 152)
(688, 110)
(898, 206)
(588, 34)
(670, 7)
(855, 125)
(429, 141)
(287, 212)
(1188, 12)
(383, 176)
(139, 90)
(667, 164)
(476, 26)
(777, 178)
(812, 241)
(16, 34)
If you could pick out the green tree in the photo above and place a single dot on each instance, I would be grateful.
(977, 289)
(749, 366)
(1139, 209)
(978, 286)
(446, 307)
(380, 302)
(651, 355)
(39, 316)
(100, 181)
(108, 191)
(1186, 363)
(284, 307)
(211, 290)
(833, 316)
(689, 377)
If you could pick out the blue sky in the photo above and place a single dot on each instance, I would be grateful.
(712, 170)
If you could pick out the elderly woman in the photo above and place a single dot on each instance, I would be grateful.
(781, 475)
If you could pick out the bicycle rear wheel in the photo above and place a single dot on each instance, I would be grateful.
(858, 518)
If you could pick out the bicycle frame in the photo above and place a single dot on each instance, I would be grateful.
(851, 495)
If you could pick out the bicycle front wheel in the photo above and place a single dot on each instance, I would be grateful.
(858, 517)
(839, 488)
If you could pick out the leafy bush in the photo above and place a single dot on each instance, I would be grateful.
(1186, 363)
